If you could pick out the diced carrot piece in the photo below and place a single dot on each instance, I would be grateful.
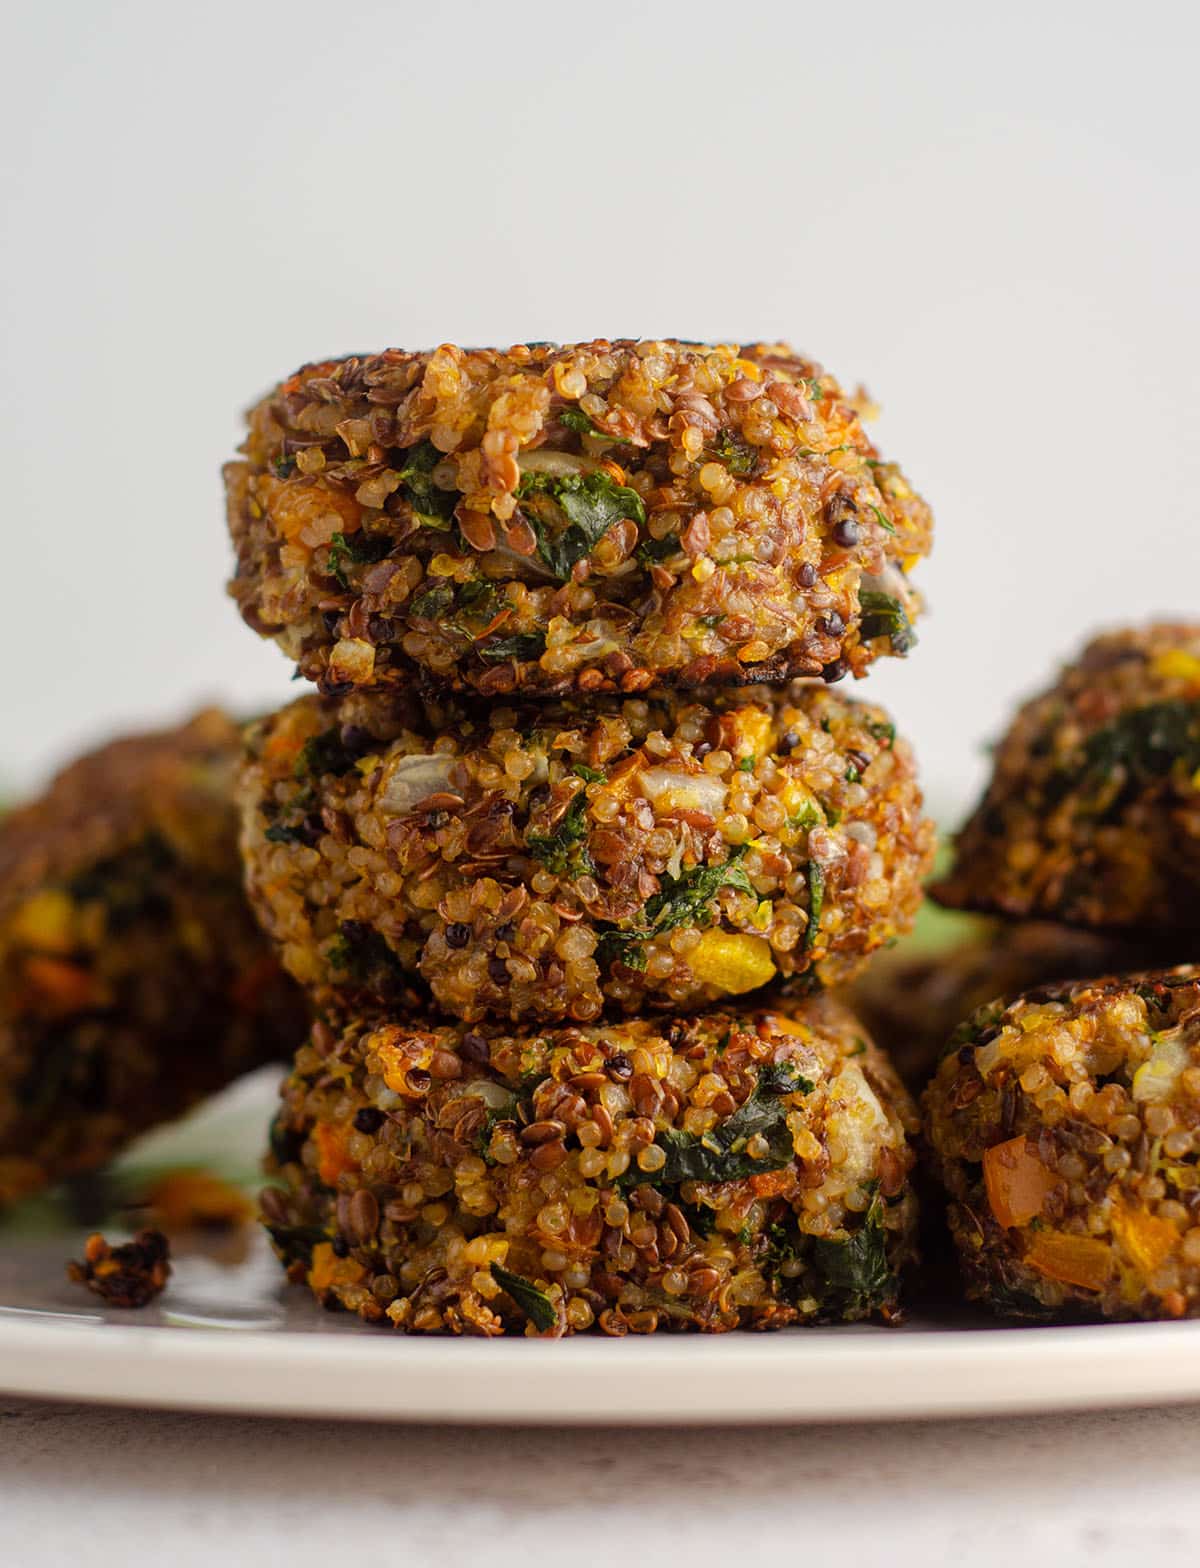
(334, 1157)
(1075, 1260)
(772, 1183)
(1016, 1180)
(328, 1269)
(61, 986)
(1145, 1239)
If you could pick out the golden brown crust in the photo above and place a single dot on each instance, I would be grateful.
(1092, 816)
(1065, 1128)
(603, 516)
(557, 859)
(133, 978)
(736, 1169)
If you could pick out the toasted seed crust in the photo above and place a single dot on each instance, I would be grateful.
(913, 1000)
(1092, 816)
(599, 516)
(565, 858)
(1065, 1127)
(730, 1170)
(133, 978)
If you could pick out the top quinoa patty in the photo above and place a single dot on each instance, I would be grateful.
(599, 516)
(133, 979)
(1092, 816)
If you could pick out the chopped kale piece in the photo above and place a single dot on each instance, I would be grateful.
(884, 616)
(737, 454)
(365, 957)
(324, 753)
(1137, 749)
(855, 1271)
(520, 646)
(295, 1243)
(882, 518)
(283, 467)
(563, 851)
(432, 506)
(686, 900)
(575, 419)
(433, 602)
(589, 775)
(816, 901)
(359, 548)
(720, 1155)
(534, 1303)
(591, 503)
(277, 833)
(884, 733)
(651, 550)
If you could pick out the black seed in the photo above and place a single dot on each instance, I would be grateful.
(457, 934)
(831, 624)
(340, 1246)
(837, 671)
(368, 1120)
(807, 575)
(620, 1067)
(846, 533)
(506, 932)
(475, 1048)
(497, 971)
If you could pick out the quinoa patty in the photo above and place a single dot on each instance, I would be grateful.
(603, 516)
(1092, 816)
(912, 998)
(1065, 1127)
(133, 978)
(737, 1169)
(551, 860)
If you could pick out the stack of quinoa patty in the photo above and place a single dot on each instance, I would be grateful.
(575, 778)
(1064, 1122)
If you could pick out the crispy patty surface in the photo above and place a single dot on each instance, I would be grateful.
(1065, 1128)
(604, 516)
(133, 977)
(1092, 815)
(556, 860)
(734, 1169)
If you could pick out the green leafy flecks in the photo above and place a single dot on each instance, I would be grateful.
(856, 1270)
(881, 518)
(815, 390)
(432, 506)
(575, 419)
(589, 775)
(739, 456)
(591, 503)
(721, 1154)
(563, 851)
(534, 1303)
(885, 734)
(748, 764)
(295, 1243)
(365, 957)
(324, 753)
(433, 602)
(1138, 748)
(685, 900)
(884, 616)
(652, 550)
(283, 467)
(277, 833)
(362, 549)
(810, 815)
(816, 902)
(520, 646)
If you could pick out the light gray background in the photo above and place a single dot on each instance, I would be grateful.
(987, 214)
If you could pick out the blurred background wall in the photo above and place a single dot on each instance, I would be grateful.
(987, 214)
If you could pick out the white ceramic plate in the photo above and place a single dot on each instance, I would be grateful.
(229, 1334)
(226, 1336)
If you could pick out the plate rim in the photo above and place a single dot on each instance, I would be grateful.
(803, 1376)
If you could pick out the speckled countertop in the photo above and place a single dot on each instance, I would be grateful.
(105, 1486)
